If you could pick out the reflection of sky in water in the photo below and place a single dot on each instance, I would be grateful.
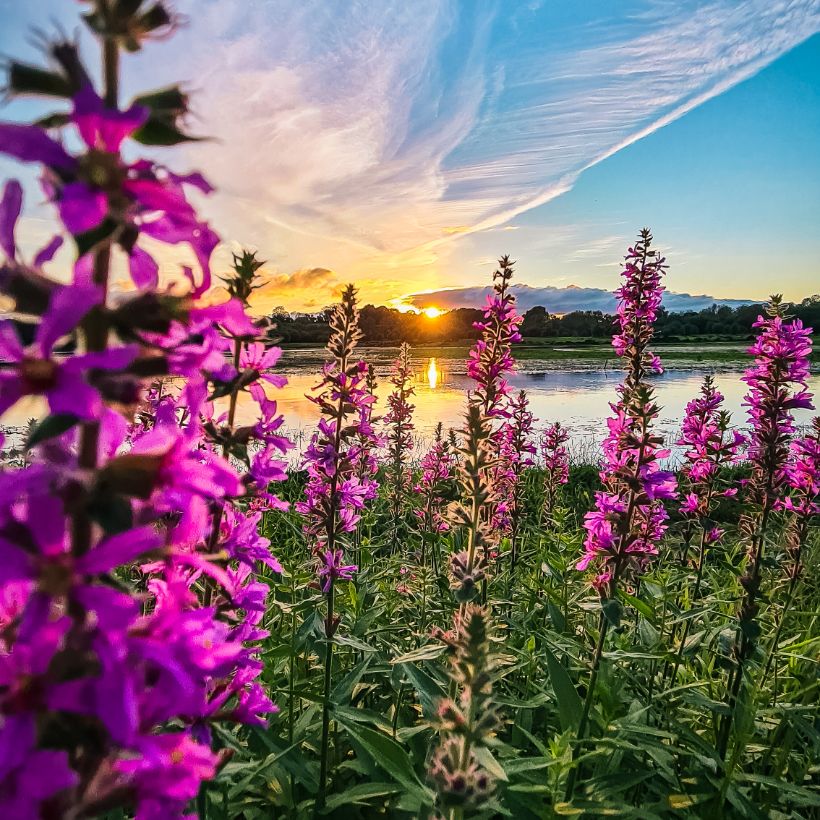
(578, 398)
(576, 394)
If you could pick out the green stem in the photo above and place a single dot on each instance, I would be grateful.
(695, 596)
(745, 644)
(323, 767)
(292, 664)
(776, 639)
(95, 325)
(603, 625)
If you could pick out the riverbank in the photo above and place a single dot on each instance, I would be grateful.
(725, 353)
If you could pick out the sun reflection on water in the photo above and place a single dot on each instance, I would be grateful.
(432, 374)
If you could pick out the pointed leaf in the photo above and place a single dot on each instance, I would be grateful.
(569, 702)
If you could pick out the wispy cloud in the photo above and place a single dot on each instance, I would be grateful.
(367, 138)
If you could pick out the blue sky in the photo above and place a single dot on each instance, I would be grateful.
(406, 145)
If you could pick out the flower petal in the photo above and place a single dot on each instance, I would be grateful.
(123, 548)
(144, 270)
(65, 311)
(46, 253)
(29, 143)
(10, 207)
(81, 208)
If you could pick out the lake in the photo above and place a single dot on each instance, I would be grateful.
(575, 392)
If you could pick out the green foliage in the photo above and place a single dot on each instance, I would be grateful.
(650, 750)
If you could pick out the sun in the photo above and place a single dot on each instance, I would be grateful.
(432, 312)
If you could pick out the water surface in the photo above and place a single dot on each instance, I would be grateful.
(575, 392)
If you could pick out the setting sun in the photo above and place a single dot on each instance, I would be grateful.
(432, 312)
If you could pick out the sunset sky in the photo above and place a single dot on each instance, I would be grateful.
(405, 145)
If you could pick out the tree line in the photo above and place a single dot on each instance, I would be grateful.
(384, 325)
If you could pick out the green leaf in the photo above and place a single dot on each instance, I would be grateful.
(612, 611)
(349, 640)
(638, 604)
(157, 131)
(360, 795)
(112, 512)
(796, 793)
(486, 759)
(423, 653)
(389, 756)
(349, 714)
(29, 79)
(343, 690)
(569, 702)
(559, 622)
(50, 427)
(88, 240)
(429, 692)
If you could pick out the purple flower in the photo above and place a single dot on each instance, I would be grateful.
(335, 494)
(10, 207)
(490, 358)
(399, 425)
(34, 371)
(625, 528)
(142, 197)
(331, 568)
(260, 358)
(710, 446)
(777, 386)
(515, 453)
(437, 474)
(166, 772)
(556, 464)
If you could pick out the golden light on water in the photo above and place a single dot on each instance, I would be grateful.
(432, 374)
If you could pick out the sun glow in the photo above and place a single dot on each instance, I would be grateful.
(432, 312)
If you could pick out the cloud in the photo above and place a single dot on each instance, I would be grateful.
(307, 278)
(559, 300)
(375, 141)
(371, 139)
(309, 288)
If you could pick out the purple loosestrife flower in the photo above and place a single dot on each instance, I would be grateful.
(491, 358)
(803, 501)
(399, 424)
(466, 725)
(468, 567)
(515, 453)
(435, 484)
(489, 361)
(777, 386)
(11, 206)
(66, 384)
(98, 190)
(367, 440)
(258, 357)
(332, 569)
(556, 466)
(111, 673)
(624, 530)
(710, 445)
(334, 495)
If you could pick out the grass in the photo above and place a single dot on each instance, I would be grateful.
(570, 349)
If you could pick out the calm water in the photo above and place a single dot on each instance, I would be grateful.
(575, 393)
